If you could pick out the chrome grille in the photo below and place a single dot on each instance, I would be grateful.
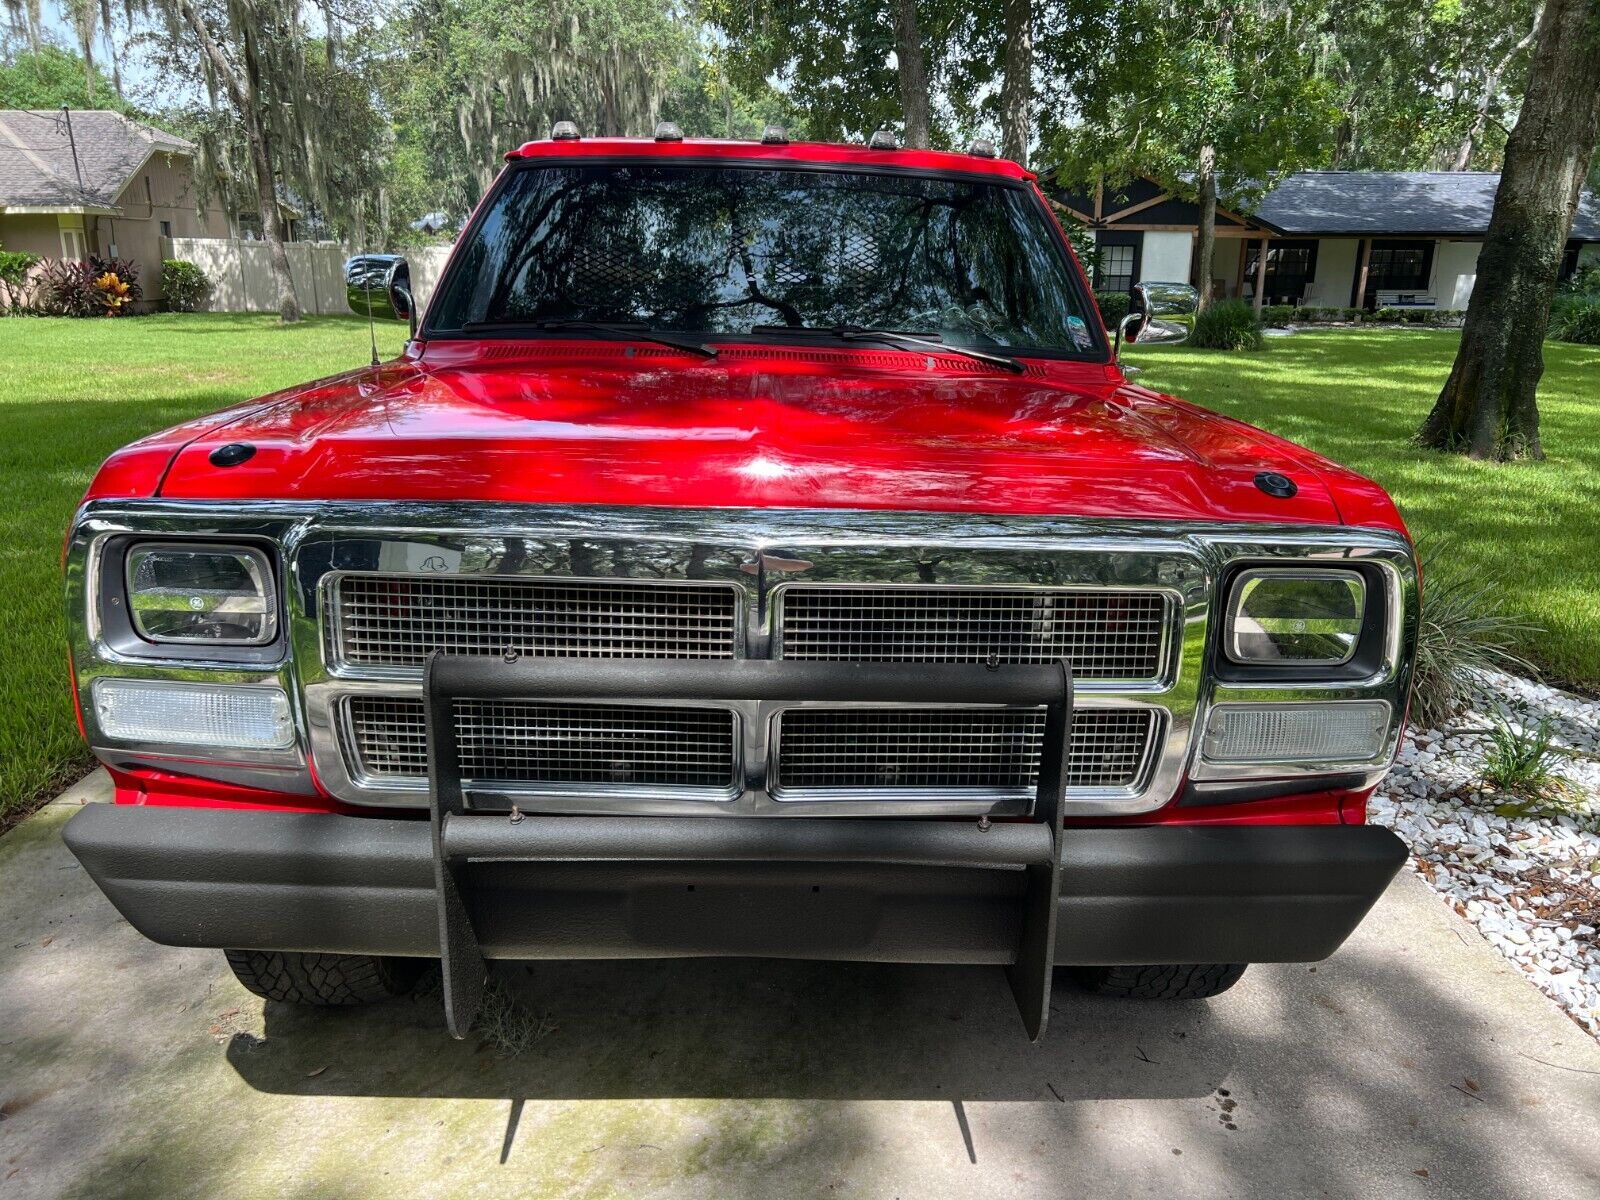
(1105, 633)
(544, 744)
(397, 620)
(884, 749)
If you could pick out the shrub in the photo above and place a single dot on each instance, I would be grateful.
(1464, 629)
(66, 289)
(1585, 281)
(183, 284)
(1228, 325)
(1113, 306)
(101, 287)
(15, 287)
(1279, 315)
(1576, 319)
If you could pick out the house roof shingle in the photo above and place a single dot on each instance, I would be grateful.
(1386, 203)
(36, 168)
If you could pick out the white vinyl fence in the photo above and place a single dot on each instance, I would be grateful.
(241, 275)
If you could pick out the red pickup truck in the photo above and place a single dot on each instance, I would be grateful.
(757, 550)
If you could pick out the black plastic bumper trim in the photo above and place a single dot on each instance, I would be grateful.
(456, 830)
(365, 885)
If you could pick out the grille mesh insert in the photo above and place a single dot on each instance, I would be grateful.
(1104, 633)
(396, 621)
(824, 748)
(539, 744)
(821, 748)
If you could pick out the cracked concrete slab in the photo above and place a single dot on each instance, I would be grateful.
(1415, 1062)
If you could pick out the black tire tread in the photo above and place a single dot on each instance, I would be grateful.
(328, 980)
(1166, 981)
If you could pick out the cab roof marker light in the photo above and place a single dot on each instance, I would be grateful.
(981, 148)
(774, 135)
(884, 139)
(564, 131)
(668, 131)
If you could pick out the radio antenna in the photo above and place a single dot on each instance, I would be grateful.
(366, 286)
(372, 324)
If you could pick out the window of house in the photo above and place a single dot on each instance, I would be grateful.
(1114, 269)
(1291, 266)
(166, 229)
(1569, 261)
(72, 245)
(1398, 267)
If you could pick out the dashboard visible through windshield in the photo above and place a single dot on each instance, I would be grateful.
(731, 251)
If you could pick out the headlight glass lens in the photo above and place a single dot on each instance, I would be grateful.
(1295, 618)
(222, 594)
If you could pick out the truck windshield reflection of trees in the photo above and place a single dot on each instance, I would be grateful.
(724, 250)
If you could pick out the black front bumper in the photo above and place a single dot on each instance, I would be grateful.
(624, 887)
(471, 884)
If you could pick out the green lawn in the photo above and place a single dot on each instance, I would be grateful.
(1357, 396)
(71, 392)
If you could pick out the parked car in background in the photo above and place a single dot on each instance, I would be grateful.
(758, 550)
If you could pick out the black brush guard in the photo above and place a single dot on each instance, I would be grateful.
(462, 834)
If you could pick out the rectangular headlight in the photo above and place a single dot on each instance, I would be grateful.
(1299, 618)
(178, 592)
(1320, 731)
(214, 715)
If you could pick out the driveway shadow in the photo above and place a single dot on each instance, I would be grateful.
(747, 1029)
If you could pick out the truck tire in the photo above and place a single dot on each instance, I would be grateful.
(329, 980)
(1171, 981)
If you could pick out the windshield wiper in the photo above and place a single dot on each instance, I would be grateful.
(893, 337)
(634, 330)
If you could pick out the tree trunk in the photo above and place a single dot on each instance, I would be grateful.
(1488, 407)
(244, 93)
(1016, 92)
(267, 185)
(1206, 237)
(913, 74)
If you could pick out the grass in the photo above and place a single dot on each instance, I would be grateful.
(71, 392)
(1529, 530)
(1520, 761)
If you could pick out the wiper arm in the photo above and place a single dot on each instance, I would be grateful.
(893, 337)
(636, 330)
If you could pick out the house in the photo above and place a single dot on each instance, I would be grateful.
(1335, 239)
(91, 182)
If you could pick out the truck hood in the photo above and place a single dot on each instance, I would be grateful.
(580, 423)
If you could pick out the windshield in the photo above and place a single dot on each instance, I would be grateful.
(716, 250)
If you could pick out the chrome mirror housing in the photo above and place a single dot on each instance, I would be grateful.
(379, 286)
(1162, 314)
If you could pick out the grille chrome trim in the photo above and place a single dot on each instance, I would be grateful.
(665, 750)
(386, 623)
(950, 751)
(318, 539)
(855, 622)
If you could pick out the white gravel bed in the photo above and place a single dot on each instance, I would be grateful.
(1529, 880)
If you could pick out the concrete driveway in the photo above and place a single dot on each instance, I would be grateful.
(1415, 1063)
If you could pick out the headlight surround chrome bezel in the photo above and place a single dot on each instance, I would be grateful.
(1353, 582)
(107, 602)
(260, 568)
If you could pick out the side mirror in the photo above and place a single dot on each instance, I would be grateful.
(1162, 314)
(379, 286)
